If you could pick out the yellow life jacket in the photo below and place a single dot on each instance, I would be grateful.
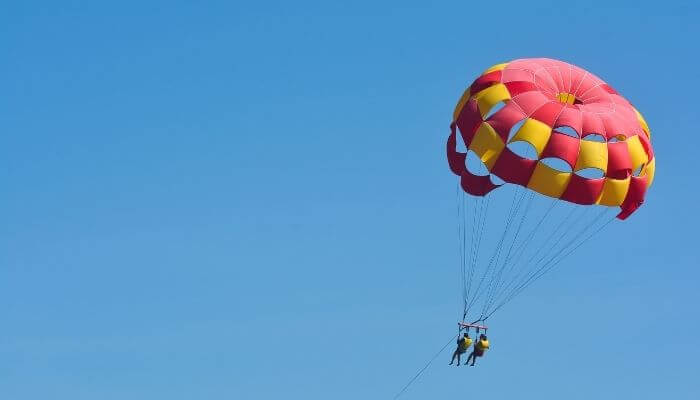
(464, 344)
(483, 344)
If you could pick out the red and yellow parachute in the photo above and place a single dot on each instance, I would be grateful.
(545, 95)
(587, 147)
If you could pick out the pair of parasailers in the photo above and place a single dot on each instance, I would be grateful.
(463, 344)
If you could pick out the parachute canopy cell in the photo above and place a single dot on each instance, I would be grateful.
(564, 113)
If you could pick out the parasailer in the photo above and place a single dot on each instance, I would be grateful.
(462, 346)
(543, 150)
(480, 348)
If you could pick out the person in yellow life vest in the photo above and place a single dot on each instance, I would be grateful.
(480, 348)
(462, 346)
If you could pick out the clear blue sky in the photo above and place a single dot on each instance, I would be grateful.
(213, 200)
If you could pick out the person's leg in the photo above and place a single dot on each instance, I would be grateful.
(455, 354)
(470, 357)
(477, 354)
(459, 357)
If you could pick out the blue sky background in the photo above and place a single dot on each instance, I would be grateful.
(221, 200)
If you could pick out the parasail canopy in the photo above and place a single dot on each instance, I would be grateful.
(563, 112)
(572, 149)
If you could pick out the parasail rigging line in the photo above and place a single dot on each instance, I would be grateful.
(522, 269)
(469, 261)
(552, 263)
(520, 251)
(514, 208)
(495, 282)
(420, 372)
